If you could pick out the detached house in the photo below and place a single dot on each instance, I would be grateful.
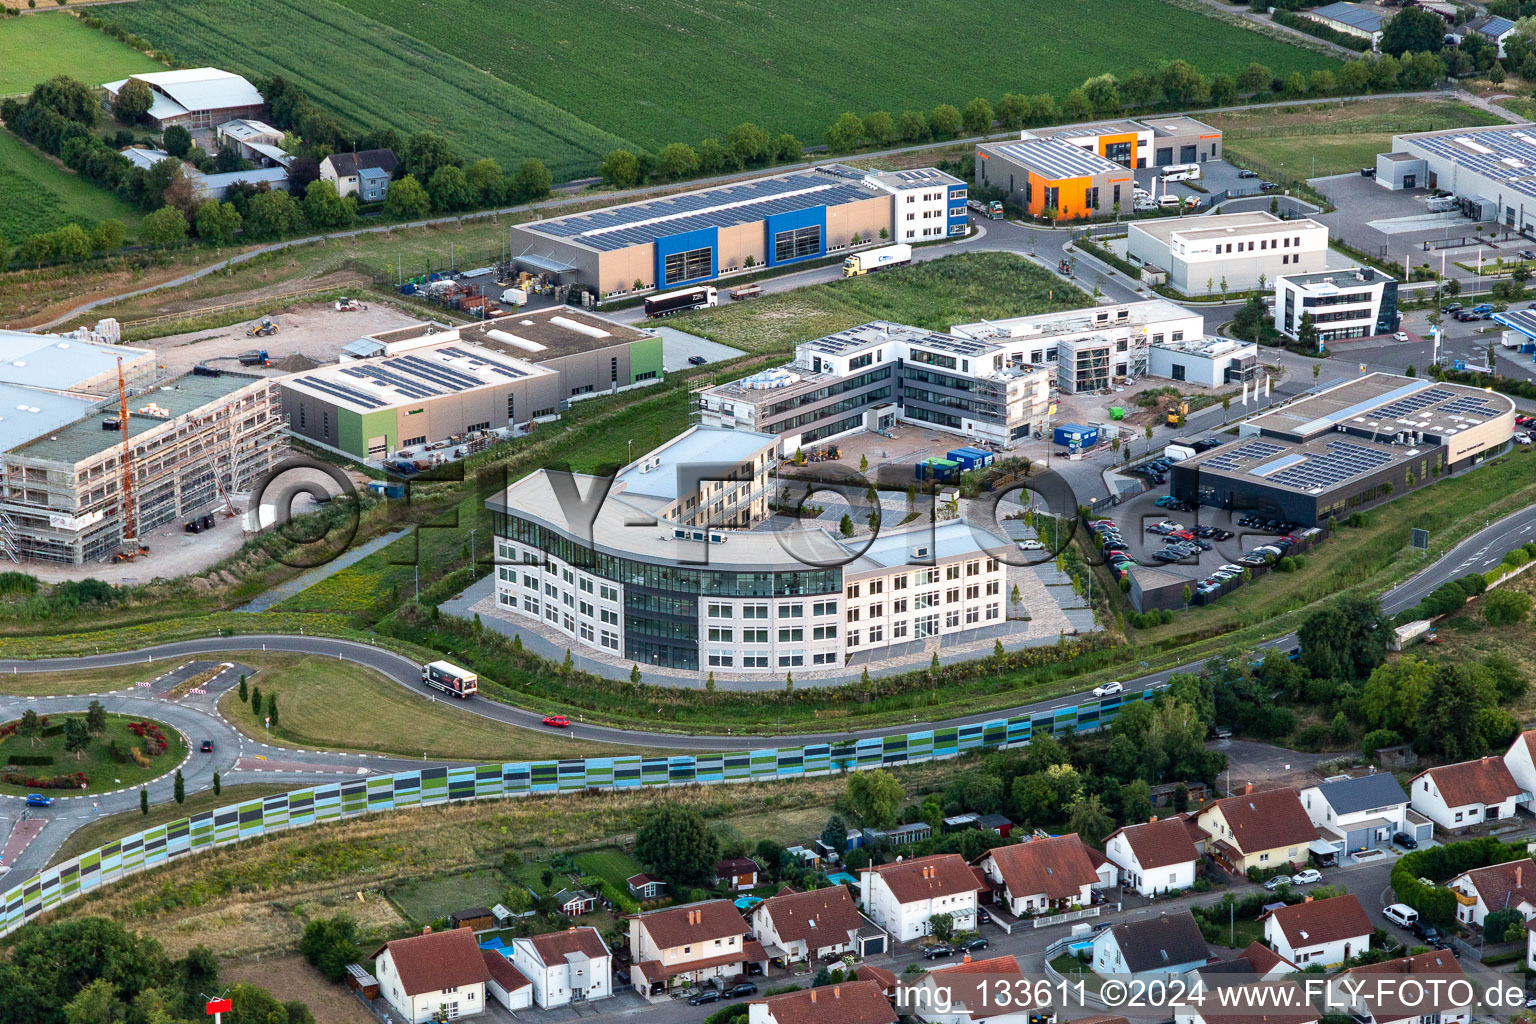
(1481, 891)
(966, 992)
(803, 926)
(902, 897)
(852, 1002)
(684, 945)
(565, 967)
(1363, 813)
(1389, 1004)
(1520, 759)
(1456, 796)
(1258, 961)
(1262, 830)
(1154, 857)
(365, 175)
(1153, 948)
(1323, 932)
(433, 973)
(738, 874)
(1046, 874)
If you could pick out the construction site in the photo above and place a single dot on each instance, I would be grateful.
(98, 452)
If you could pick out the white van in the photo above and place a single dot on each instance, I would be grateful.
(1401, 914)
(1167, 201)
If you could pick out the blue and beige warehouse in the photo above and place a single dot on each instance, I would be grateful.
(699, 236)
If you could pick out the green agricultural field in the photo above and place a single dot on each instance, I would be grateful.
(1333, 138)
(37, 194)
(40, 46)
(566, 84)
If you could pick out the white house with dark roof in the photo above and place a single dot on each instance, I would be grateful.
(851, 1002)
(565, 967)
(802, 926)
(1161, 947)
(1058, 872)
(1493, 28)
(1457, 796)
(902, 897)
(1325, 932)
(966, 992)
(683, 945)
(1363, 813)
(348, 172)
(1157, 856)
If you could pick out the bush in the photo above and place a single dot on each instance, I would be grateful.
(1312, 737)
(30, 760)
(330, 944)
(1377, 739)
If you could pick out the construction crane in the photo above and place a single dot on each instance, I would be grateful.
(131, 548)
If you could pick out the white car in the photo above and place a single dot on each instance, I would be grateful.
(1107, 689)
(1031, 545)
(1306, 877)
(1523, 437)
(1400, 336)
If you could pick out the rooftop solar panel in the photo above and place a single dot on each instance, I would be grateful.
(1343, 461)
(342, 391)
(487, 362)
(1231, 458)
(1469, 405)
(1413, 403)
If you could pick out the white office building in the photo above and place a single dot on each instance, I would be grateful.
(1209, 362)
(929, 203)
(1231, 252)
(1356, 302)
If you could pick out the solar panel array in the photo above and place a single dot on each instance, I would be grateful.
(1231, 458)
(1470, 405)
(1503, 155)
(499, 367)
(338, 390)
(624, 226)
(1343, 461)
(1413, 403)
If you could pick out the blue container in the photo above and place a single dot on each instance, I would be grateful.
(971, 458)
(1076, 436)
(937, 469)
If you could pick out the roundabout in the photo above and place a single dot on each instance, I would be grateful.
(86, 753)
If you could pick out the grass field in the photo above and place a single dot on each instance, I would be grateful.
(566, 84)
(114, 826)
(319, 700)
(1333, 138)
(95, 761)
(612, 865)
(935, 294)
(96, 680)
(423, 900)
(40, 46)
(37, 194)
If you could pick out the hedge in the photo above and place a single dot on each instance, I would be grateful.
(1436, 904)
(30, 759)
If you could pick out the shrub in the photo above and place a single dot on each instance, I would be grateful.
(30, 760)
(1378, 738)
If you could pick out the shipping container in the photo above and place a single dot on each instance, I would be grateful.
(971, 458)
(1076, 436)
(937, 469)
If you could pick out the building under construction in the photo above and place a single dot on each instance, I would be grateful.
(191, 442)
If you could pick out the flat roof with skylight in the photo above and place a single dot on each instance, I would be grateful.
(1503, 155)
(1385, 404)
(416, 375)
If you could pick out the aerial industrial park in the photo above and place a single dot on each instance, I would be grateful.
(1055, 557)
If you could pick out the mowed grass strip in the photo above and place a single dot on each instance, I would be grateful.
(333, 704)
(115, 826)
(40, 46)
(95, 680)
(611, 865)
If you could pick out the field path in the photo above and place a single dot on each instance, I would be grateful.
(638, 193)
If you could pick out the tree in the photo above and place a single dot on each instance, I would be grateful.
(423, 153)
(845, 133)
(176, 141)
(1412, 29)
(450, 190)
(256, 701)
(835, 834)
(97, 1003)
(532, 180)
(1306, 333)
(1449, 723)
(1136, 801)
(486, 180)
(621, 169)
(914, 127)
(845, 526)
(945, 121)
(272, 710)
(30, 726)
(978, 116)
(1103, 93)
(272, 215)
(1506, 607)
(1345, 640)
(879, 127)
(180, 788)
(748, 144)
(787, 149)
(1255, 78)
(1321, 82)
(874, 797)
(1089, 819)
(1077, 106)
(406, 199)
(143, 800)
(77, 736)
(942, 926)
(1223, 90)
(218, 784)
(1504, 926)
(132, 101)
(330, 944)
(1183, 84)
(165, 226)
(1011, 111)
(96, 718)
(712, 156)
(677, 161)
(217, 222)
(675, 843)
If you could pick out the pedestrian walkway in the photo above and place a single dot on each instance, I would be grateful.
(308, 579)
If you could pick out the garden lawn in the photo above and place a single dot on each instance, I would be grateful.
(1333, 138)
(37, 194)
(613, 866)
(1076, 970)
(108, 827)
(39, 46)
(567, 84)
(96, 762)
(935, 294)
(340, 705)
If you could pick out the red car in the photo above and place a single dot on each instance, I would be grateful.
(557, 721)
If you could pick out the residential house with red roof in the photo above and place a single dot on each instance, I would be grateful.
(1256, 963)
(849, 1002)
(1353, 991)
(966, 992)
(1261, 1002)
(902, 897)
(1264, 830)
(1046, 874)
(677, 947)
(431, 973)
(1507, 886)
(1157, 856)
(1323, 932)
(1457, 796)
(506, 983)
(803, 926)
(573, 966)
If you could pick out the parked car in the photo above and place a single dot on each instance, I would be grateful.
(1399, 335)
(1269, 186)
(745, 988)
(1367, 172)
(1107, 689)
(1405, 840)
(1245, 173)
(938, 951)
(697, 360)
(1523, 437)
(1451, 307)
(1401, 914)
(39, 800)
(1527, 254)
(1276, 882)
(709, 995)
(1031, 545)
(557, 721)
(977, 943)
(1167, 555)
(1307, 877)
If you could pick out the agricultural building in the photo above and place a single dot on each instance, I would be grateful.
(194, 97)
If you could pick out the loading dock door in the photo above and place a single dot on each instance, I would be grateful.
(1186, 154)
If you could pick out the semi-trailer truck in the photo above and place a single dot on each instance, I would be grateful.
(992, 210)
(877, 259)
(677, 302)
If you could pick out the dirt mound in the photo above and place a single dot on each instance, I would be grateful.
(296, 363)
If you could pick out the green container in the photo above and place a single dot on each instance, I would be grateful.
(1116, 412)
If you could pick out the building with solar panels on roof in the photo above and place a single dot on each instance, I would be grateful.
(703, 235)
(419, 385)
(1350, 446)
(1491, 171)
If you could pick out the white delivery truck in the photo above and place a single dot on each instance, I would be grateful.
(1178, 452)
(877, 259)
